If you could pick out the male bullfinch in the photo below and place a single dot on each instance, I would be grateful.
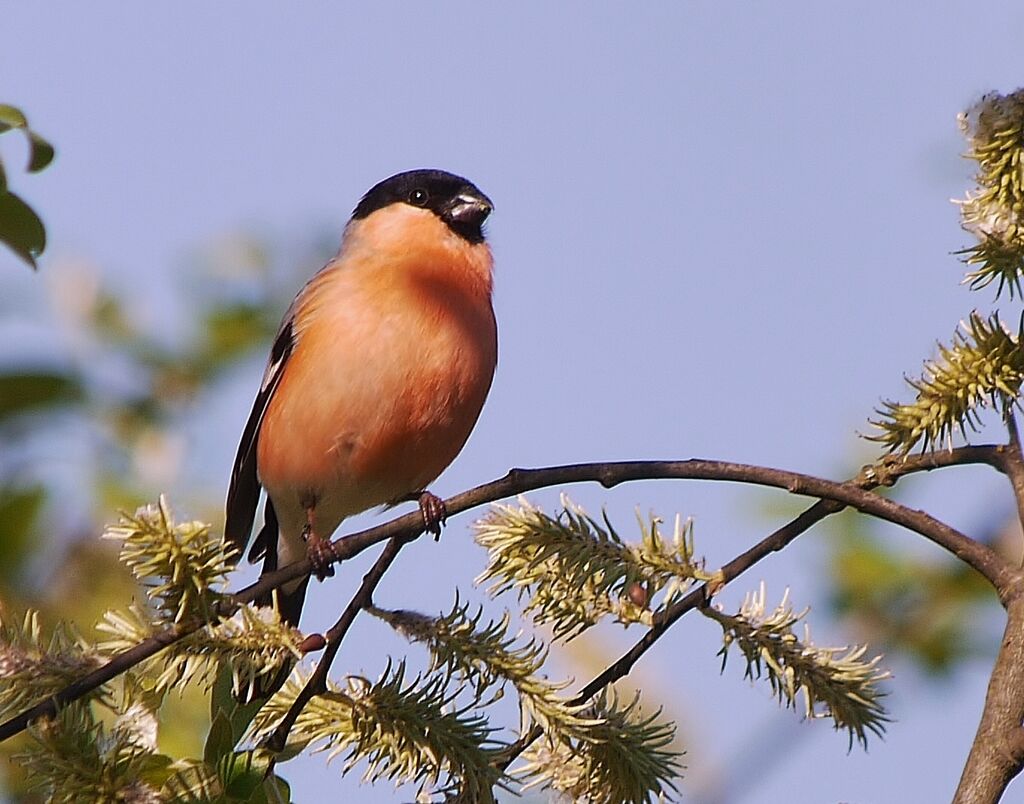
(376, 377)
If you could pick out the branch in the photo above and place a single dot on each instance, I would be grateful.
(317, 683)
(997, 753)
(1013, 463)
(519, 481)
(701, 596)
(871, 476)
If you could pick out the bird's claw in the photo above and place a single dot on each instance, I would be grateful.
(435, 514)
(321, 553)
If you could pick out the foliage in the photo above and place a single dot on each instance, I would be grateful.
(409, 731)
(76, 759)
(180, 565)
(33, 666)
(487, 656)
(21, 230)
(833, 682)
(574, 570)
(570, 571)
(253, 644)
(984, 364)
(929, 609)
(994, 128)
(626, 758)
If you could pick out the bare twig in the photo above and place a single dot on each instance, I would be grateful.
(701, 596)
(518, 481)
(1013, 463)
(997, 753)
(885, 473)
(317, 683)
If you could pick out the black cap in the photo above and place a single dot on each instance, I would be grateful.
(455, 200)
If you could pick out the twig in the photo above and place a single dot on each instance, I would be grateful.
(997, 753)
(701, 596)
(1013, 463)
(885, 473)
(317, 683)
(518, 481)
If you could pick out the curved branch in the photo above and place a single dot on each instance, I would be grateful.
(519, 481)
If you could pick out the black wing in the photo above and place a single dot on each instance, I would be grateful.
(244, 491)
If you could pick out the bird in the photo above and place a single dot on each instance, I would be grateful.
(375, 379)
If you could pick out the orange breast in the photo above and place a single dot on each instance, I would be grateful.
(395, 351)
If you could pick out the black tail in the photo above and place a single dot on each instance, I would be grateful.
(289, 604)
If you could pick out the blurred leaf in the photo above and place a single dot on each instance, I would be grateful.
(11, 117)
(86, 581)
(155, 770)
(20, 228)
(40, 153)
(33, 391)
(281, 789)
(926, 609)
(110, 321)
(19, 510)
(232, 330)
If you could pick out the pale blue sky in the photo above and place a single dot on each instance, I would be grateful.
(720, 231)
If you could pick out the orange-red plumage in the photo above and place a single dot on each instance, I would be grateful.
(395, 350)
(377, 375)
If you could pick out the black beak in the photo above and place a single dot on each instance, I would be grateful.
(466, 215)
(470, 210)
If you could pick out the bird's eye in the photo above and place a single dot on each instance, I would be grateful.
(418, 197)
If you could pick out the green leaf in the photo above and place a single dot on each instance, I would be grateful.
(40, 153)
(3, 179)
(224, 702)
(220, 741)
(20, 228)
(29, 392)
(11, 117)
(244, 779)
(19, 510)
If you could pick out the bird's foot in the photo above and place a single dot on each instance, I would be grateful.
(434, 513)
(321, 553)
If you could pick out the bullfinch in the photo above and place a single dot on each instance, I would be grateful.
(376, 376)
